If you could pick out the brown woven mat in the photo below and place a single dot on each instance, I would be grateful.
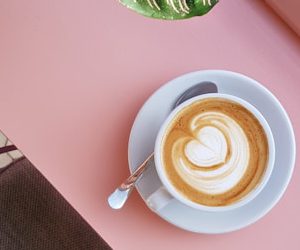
(33, 215)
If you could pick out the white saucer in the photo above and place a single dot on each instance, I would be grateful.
(154, 112)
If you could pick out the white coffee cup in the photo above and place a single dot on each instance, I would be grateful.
(167, 192)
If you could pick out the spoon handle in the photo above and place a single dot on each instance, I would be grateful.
(118, 198)
(131, 180)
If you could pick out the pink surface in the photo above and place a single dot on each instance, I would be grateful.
(73, 75)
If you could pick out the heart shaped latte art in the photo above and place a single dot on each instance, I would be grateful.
(215, 159)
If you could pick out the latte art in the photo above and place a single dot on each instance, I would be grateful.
(215, 152)
(216, 158)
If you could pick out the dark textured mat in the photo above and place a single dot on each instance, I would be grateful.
(33, 215)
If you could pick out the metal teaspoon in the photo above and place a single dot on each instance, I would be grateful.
(118, 198)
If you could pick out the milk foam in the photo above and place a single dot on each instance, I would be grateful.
(215, 159)
(208, 149)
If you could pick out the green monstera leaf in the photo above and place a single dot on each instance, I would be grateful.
(170, 9)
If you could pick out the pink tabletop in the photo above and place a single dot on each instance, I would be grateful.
(74, 74)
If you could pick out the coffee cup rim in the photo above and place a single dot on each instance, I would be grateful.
(252, 194)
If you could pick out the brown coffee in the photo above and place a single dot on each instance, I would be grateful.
(215, 152)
